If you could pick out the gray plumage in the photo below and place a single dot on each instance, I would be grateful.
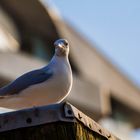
(26, 80)
(47, 85)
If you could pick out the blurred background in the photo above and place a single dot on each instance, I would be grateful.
(104, 53)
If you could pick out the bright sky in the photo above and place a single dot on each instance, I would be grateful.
(113, 26)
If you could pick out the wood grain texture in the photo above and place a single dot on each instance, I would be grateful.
(53, 131)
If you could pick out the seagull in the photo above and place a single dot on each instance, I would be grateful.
(47, 85)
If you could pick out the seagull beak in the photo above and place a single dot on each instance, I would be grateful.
(60, 45)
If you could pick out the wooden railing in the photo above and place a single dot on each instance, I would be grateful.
(54, 122)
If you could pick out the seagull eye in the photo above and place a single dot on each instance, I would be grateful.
(66, 43)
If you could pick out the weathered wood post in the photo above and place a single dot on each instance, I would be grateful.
(54, 122)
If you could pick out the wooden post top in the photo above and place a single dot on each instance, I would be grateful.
(63, 112)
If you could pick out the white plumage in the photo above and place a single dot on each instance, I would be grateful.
(44, 86)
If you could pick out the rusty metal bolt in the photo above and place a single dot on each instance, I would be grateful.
(79, 116)
(89, 125)
(29, 120)
(100, 130)
(109, 136)
(69, 111)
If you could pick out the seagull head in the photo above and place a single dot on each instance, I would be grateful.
(61, 47)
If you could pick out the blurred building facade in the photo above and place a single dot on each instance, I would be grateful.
(27, 32)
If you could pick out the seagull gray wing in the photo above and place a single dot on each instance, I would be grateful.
(26, 80)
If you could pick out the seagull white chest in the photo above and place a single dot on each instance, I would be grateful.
(43, 86)
(53, 90)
